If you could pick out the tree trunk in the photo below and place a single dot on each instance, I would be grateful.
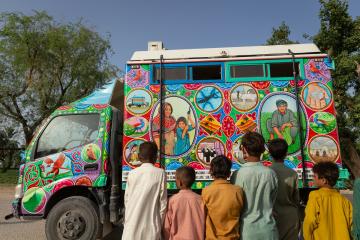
(353, 159)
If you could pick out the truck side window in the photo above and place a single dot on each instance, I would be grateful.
(66, 132)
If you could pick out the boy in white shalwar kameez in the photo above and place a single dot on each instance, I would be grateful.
(145, 197)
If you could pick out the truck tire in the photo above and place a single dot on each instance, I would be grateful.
(73, 218)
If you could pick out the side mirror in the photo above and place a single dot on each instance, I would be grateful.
(22, 157)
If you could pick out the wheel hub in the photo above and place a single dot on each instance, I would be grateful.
(71, 225)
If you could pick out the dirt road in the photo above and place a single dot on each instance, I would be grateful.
(26, 230)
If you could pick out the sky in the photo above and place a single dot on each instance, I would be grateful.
(182, 24)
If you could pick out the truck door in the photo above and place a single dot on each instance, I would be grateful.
(66, 153)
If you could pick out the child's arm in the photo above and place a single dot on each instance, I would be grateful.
(184, 132)
(180, 133)
(163, 197)
(349, 215)
(191, 121)
(168, 222)
(311, 220)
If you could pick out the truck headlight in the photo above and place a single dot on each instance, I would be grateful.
(18, 191)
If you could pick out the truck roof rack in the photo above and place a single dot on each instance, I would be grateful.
(226, 52)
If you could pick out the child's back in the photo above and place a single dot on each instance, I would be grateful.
(185, 217)
(328, 215)
(286, 207)
(223, 204)
(145, 199)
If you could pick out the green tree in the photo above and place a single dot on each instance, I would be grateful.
(339, 35)
(45, 64)
(9, 149)
(280, 35)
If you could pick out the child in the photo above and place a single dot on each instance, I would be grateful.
(328, 215)
(286, 209)
(223, 202)
(182, 134)
(185, 217)
(260, 187)
(145, 197)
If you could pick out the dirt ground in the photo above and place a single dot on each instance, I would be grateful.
(35, 229)
(29, 229)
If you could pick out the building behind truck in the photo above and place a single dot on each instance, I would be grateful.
(76, 166)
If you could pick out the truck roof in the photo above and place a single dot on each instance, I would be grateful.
(226, 52)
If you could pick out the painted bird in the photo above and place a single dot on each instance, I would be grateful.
(57, 164)
(137, 76)
(315, 70)
(90, 153)
(139, 125)
(321, 123)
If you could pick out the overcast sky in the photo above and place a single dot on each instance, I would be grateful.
(182, 24)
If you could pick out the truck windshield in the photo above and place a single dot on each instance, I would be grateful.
(66, 132)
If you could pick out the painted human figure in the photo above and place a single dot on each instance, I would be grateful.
(213, 153)
(206, 154)
(169, 124)
(283, 123)
(133, 154)
(316, 96)
(182, 134)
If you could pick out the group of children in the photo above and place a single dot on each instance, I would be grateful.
(257, 203)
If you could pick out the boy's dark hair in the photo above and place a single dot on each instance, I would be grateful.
(254, 143)
(181, 119)
(148, 152)
(220, 167)
(278, 149)
(328, 171)
(186, 175)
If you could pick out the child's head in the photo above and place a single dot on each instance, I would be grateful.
(220, 167)
(278, 149)
(325, 174)
(148, 152)
(134, 148)
(253, 143)
(181, 122)
(185, 177)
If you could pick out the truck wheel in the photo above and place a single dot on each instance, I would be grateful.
(73, 218)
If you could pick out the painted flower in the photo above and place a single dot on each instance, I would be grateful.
(192, 86)
(226, 94)
(155, 88)
(100, 106)
(62, 184)
(228, 126)
(187, 94)
(261, 85)
(196, 166)
(300, 83)
(84, 181)
(228, 144)
(227, 108)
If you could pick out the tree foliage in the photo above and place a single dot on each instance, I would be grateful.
(8, 149)
(45, 64)
(339, 35)
(280, 35)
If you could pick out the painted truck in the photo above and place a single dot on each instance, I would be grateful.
(76, 166)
